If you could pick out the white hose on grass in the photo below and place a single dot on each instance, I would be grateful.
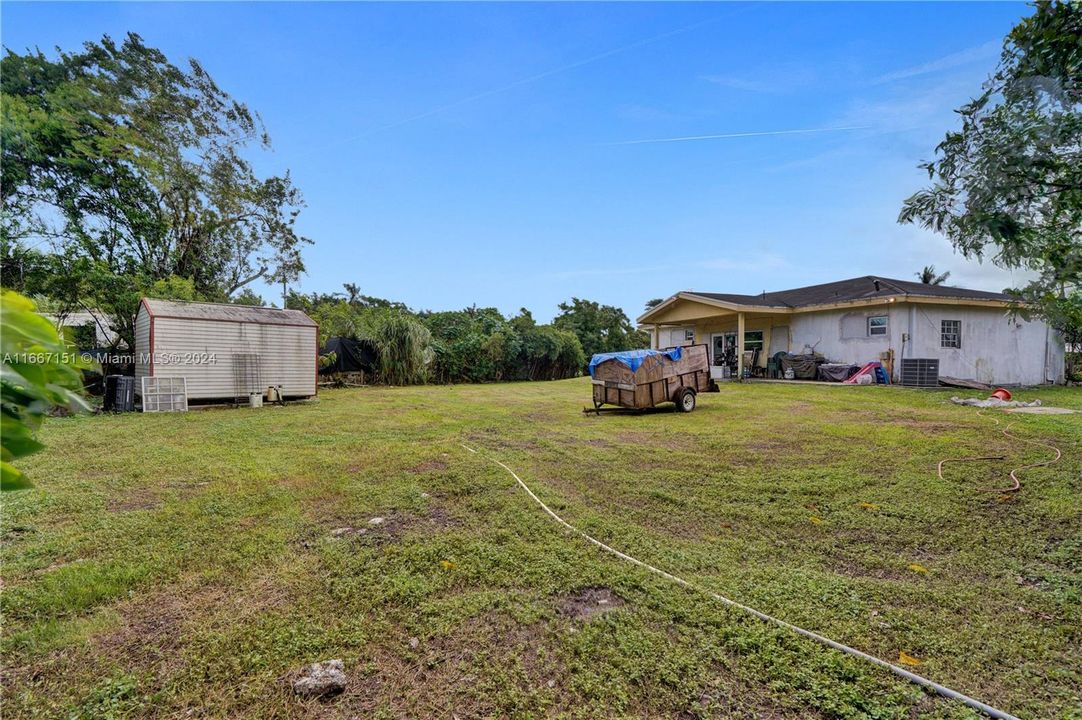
(900, 671)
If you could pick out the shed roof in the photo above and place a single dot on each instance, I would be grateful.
(226, 312)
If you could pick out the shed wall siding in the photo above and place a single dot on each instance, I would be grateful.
(288, 355)
(142, 346)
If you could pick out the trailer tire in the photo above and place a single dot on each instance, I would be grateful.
(685, 400)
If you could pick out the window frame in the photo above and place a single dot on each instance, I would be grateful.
(957, 333)
(689, 335)
(761, 342)
(885, 326)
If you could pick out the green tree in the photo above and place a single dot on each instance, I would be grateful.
(1008, 183)
(523, 321)
(38, 374)
(599, 328)
(405, 348)
(131, 170)
(249, 297)
(653, 303)
(928, 276)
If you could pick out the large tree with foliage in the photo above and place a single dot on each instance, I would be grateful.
(1008, 184)
(599, 328)
(130, 170)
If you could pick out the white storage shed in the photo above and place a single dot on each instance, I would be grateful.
(226, 351)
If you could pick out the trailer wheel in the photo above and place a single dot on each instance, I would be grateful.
(685, 400)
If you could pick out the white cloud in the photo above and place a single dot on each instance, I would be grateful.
(725, 136)
(979, 53)
(781, 77)
(758, 262)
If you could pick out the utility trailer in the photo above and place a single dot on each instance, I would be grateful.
(640, 379)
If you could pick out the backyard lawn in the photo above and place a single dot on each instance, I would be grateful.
(188, 565)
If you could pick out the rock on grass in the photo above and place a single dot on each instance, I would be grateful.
(321, 679)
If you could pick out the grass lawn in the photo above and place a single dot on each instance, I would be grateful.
(176, 566)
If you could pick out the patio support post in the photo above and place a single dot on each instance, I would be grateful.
(655, 340)
(740, 346)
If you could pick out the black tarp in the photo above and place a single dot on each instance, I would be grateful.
(804, 367)
(350, 355)
(837, 372)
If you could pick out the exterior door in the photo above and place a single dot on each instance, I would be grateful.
(722, 355)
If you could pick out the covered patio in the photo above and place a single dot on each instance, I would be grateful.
(729, 329)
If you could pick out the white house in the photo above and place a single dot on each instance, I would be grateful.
(972, 333)
(94, 321)
(226, 351)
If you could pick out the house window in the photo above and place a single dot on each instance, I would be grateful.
(950, 334)
(689, 335)
(877, 325)
(753, 340)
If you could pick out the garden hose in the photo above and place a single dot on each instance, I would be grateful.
(1016, 484)
(900, 671)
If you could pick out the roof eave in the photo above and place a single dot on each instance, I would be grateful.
(644, 319)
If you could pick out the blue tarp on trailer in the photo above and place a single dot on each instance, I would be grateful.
(633, 358)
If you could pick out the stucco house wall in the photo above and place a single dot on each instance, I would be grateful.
(996, 348)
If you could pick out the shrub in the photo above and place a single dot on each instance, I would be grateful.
(39, 373)
(405, 348)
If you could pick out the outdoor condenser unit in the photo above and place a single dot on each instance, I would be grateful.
(920, 372)
(119, 393)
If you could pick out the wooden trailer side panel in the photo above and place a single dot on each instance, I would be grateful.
(657, 380)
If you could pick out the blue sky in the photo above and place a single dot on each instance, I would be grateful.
(453, 154)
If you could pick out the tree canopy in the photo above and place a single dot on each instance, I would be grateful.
(929, 276)
(470, 345)
(130, 170)
(1008, 183)
(600, 328)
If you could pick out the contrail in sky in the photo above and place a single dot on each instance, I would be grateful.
(534, 78)
(741, 135)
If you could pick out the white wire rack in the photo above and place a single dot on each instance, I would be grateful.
(165, 394)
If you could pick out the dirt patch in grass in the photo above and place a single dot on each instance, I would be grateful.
(142, 499)
(382, 529)
(17, 532)
(438, 517)
(376, 530)
(764, 443)
(654, 440)
(434, 465)
(152, 629)
(466, 673)
(590, 602)
(925, 426)
(494, 440)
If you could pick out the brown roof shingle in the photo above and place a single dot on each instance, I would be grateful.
(868, 287)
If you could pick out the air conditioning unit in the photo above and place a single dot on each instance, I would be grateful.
(920, 372)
